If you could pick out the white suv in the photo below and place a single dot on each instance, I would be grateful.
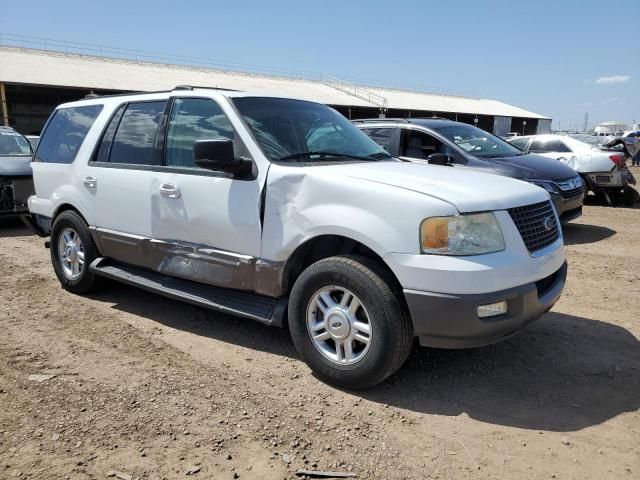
(282, 211)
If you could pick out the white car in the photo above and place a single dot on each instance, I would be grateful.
(604, 171)
(280, 210)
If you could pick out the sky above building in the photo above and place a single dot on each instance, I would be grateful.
(560, 59)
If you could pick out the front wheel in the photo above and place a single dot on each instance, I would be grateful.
(347, 322)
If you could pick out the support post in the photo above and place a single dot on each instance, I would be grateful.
(5, 111)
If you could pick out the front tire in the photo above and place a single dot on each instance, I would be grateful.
(72, 251)
(347, 322)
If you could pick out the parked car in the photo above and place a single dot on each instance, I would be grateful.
(33, 140)
(16, 184)
(603, 169)
(464, 146)
(281, 210)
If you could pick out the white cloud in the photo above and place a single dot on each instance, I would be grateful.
(606, 101)
(613, 79)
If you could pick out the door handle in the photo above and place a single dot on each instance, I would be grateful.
(169, 190)
(90, 182)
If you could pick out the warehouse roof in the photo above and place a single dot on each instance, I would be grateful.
(40, 67)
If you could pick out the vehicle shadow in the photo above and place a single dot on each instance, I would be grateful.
(578, 233)
(563, 373)
(13, 227)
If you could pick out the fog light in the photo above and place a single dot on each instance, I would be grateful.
(492, 309)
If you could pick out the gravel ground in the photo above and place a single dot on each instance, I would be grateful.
(138, 386)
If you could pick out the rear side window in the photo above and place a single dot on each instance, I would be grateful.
(135, 139)
(538, 146)
(194, 119)
(382, 136)
(65, 133)
(107, 139)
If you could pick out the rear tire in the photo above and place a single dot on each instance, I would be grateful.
(361, 331)
(72, 251)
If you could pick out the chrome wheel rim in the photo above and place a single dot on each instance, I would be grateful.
(339, 325)
(71, 253)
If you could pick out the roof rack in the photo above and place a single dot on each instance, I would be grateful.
(193, 87)
(403, 120)
(378, 119)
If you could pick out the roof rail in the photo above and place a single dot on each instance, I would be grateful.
(193, 87)
(404, 120)
(378, 119)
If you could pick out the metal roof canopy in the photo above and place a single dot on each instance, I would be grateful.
(40, 67)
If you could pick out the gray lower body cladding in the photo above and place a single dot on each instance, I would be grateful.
(194, 262)
(451, 321)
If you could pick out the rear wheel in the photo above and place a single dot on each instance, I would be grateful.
(347, 322)
(72, 251)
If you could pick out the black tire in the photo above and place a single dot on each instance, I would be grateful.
(629, 196)
(392, 330)
(86, 280)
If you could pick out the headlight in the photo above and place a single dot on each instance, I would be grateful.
(461, 235)
(548, 186)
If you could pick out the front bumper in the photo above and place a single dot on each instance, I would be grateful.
(451, 321)
(568, 208)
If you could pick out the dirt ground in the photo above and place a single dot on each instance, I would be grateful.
(145, 387)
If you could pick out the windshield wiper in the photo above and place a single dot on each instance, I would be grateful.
(322, 155)
(379, 155)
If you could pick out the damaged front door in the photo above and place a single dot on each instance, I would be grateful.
(206, 224)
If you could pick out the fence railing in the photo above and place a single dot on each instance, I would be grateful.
(349, 84)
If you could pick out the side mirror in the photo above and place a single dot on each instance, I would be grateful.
(439, 159)
(218, 155)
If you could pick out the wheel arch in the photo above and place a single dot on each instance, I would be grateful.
(329, 245)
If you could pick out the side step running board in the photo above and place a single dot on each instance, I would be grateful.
(234, 302)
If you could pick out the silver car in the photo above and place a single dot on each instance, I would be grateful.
(16, 182)
(603, 168)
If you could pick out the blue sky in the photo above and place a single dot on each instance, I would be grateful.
(558, 58)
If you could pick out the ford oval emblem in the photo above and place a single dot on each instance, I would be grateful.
(548, 223)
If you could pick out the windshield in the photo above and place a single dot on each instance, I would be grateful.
(304, 130)
(478, 142)
(13, 144)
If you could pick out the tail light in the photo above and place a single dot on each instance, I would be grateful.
(618, 159)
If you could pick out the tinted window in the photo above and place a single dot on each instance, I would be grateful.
(540, 146)
(13, 144)
(65, 133)
(107, 138)
(420, 145)
(477, 142)
(194, 119)
(135, 139)
(521, 143)
(286, 127)
(382, 136)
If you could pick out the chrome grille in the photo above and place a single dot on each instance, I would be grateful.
(537, 225)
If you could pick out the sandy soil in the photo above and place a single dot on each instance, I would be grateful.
(145, 387)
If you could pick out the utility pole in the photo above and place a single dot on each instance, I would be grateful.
(586, 122)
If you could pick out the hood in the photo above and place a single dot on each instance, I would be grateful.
(15, 166)
(467, 190)
(532, 166)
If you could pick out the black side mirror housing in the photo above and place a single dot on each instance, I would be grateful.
(439, 159)
(218, 155)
